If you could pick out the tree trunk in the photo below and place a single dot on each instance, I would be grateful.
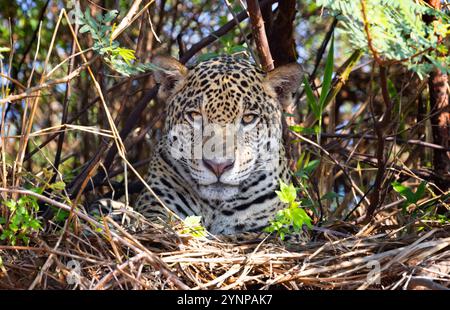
(440, 116)
(280, 35)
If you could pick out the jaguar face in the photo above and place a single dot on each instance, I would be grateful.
(223, 123)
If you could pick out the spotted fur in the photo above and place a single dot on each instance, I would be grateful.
(218, 92)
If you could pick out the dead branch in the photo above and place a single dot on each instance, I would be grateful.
(259, 35)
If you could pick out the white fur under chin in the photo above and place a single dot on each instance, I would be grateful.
(218, 191)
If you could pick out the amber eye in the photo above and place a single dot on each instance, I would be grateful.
(248, 119)
(192, 115)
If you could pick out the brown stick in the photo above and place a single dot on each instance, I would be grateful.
(65, 113)
(374, 52)
(440, 122)
(259, 33)
(276, 47)
(381, 126)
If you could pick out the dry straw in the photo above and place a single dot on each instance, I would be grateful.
(150, 256)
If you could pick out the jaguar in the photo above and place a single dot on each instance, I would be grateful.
(221, 154)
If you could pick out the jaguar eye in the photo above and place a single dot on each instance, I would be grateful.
(192, 115)
(248, 119)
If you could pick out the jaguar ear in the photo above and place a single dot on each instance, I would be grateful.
(169, 72)
(284, 80)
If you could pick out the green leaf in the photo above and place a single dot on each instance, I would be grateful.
(193, 226)
(302, 130)
(35, 224)
(58, 186)
(88, 17)
(13, 226)
(206, 56)
(420, 191)
(11, 204)
(397, 30)
(84, 29)
(311, 99)
(290, 219)
(236, 49)
(300, 218)
(287, 193)
(404, 191)
(306, 202)
(21, 208)
(311, 166)
(391, 89)
(269, 229)
(5, 234)
(61, 215)
(37, 190)
(317, 129)
(25, 239)
(109, 17)
(328, 75)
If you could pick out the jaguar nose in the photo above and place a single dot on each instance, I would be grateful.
(218, 167)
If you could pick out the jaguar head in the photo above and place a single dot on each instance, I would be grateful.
(224, 119)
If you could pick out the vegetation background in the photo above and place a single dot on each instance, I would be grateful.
(368, 138)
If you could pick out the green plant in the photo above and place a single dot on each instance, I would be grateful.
(192, 226)
(118, 58)
(60, 215)
(397, 31)
(22, 219)
(317, 105)
(291, 219)
(305, 166)
(407, 193)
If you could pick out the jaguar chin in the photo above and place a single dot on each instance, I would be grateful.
(218, 191)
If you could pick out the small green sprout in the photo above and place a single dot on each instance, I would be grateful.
(407, 193)
(291, 219)
(22, 220)
(192, 226)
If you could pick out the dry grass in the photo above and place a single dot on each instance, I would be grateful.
(156, 257)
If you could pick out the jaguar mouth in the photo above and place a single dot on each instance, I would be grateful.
(220, 186)
(216, 183)
(218, 191)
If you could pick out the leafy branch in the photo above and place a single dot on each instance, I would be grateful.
(395, 33)
(118, 58)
